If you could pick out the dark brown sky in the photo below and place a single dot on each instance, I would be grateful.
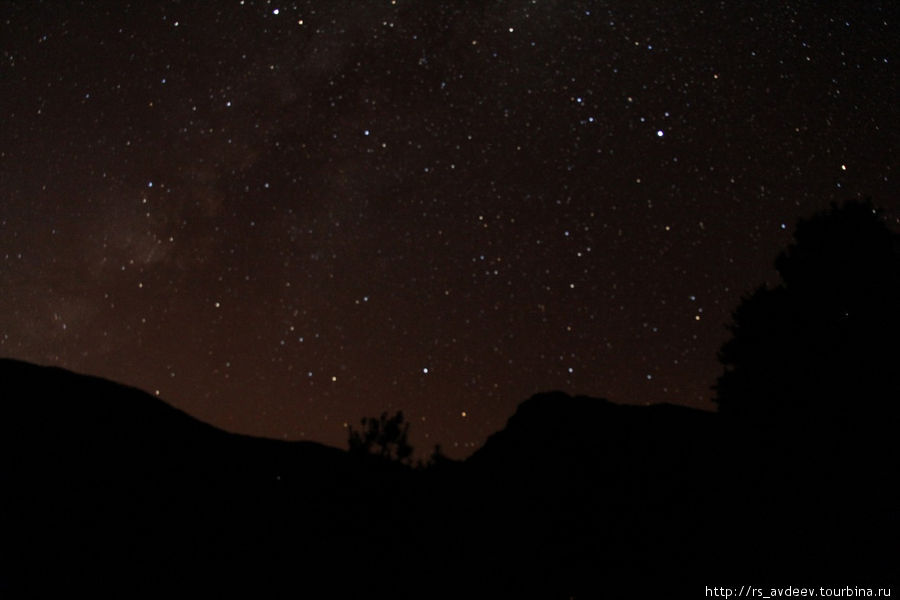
(285, 216)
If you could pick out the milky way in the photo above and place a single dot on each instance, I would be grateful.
(282, 217)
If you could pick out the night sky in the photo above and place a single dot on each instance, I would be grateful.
(282, 217)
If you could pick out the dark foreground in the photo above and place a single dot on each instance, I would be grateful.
(109, 490)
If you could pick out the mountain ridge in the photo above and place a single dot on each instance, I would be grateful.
(574, 497)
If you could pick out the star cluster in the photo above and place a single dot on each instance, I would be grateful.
(282, 217)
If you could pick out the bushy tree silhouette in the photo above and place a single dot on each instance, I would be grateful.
(385, 437)
(823, 344)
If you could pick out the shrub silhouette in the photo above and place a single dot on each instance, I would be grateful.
(385, 437)
(438, 461)
(823, 344)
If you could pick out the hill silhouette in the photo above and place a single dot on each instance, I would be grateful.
(107, 486)
(110, 489)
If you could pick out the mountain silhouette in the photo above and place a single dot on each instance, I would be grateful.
(664, 494)
(105, 484)
(109, 489)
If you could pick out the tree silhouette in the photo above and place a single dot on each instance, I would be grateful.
(437, 461)
(823, 344)
(385, 437)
